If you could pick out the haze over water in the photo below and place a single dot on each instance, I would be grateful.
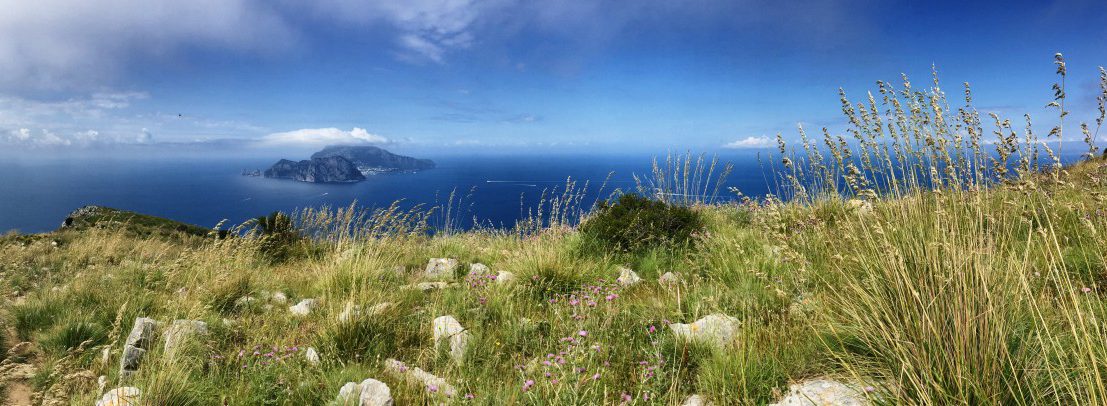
(495, 189)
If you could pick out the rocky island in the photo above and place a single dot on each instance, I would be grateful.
(344, 164)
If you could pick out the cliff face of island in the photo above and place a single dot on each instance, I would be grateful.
(345, 163)
(374, 159)
(334, 169)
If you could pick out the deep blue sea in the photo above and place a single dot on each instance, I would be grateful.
(36, 195)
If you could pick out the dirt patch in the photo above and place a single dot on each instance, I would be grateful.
(19, 394)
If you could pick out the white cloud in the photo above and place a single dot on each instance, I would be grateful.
(750, 143)
(25, 138)
(322, 136)
(59, 44)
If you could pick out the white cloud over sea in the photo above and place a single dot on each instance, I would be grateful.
(750, 142)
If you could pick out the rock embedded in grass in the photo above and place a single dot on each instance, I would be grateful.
(696, 400)
(479, 268)
(303, 308)
(279, 297)
(369, 392)
(427, 286)
(669, 279)
(447, 328)
(180, 332)
(428, 380)
(627, 277)
(311, 356)
(823, 392)
(504, 277)
(124, 396)
(440, 268)
(718, 329)
(138, 342)
(860, 206)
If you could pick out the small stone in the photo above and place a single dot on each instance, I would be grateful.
(440, 268)
(669, 279)
(303, 308)
(418, 375)
(428, 286)
(244, 301)
(448, 328)
(504, 277)
(125, 396)
(696, 400)
(180, 332)
(627, 277)
(860, 206)
(279, 297)
(312, 356)
(479, 268)
(823, 392)
(718, 329)
(369, 392)
(349, 312)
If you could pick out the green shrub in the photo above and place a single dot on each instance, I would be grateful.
(71, 334)
(36, 314)
(224, 297)
(635, 223)
(279, 238)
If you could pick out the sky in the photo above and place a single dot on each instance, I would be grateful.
(507, 76)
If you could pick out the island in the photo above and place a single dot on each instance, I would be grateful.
(345, 164)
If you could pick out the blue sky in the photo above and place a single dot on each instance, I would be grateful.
(465, 76)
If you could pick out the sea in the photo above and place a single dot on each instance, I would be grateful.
(489, 190)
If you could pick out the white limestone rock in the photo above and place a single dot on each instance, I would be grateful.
(717, 329)
(428, 380)
(279, 297)
(180, 332)
(440, 268)
(669, 279)
(124, 396)
(311, 356)
(504, 277)
(369, 392)
(447, 328)
(696, 400)
(303, 308)
(823, 392)
(627, 277)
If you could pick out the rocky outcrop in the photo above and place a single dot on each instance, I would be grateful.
(373, 159)
(369, 392)
(333, 169)
(138, 342)
(717, 329)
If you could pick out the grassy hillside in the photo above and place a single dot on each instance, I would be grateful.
(962, 280)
